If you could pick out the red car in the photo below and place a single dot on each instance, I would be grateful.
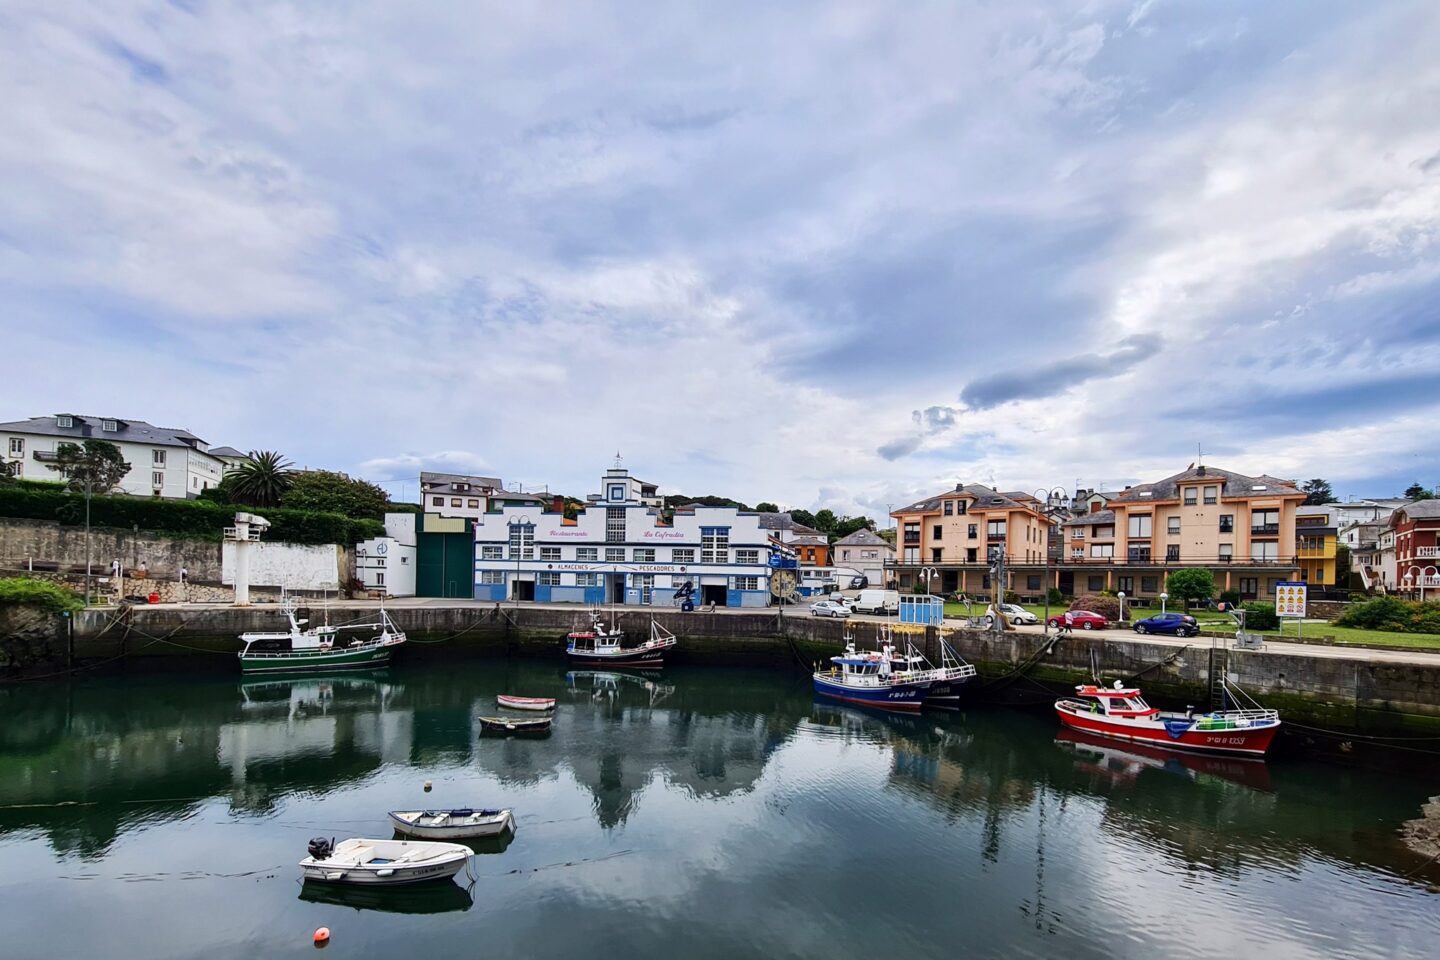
(1083, 619)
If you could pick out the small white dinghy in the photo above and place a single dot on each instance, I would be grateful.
(382, 862)
(526, 703)
(452, 824)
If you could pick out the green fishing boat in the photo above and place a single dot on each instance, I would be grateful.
(319, 648)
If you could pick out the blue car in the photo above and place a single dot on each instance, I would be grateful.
(1177, 623)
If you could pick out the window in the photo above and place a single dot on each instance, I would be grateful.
(1249, 587)
(1106, 532)
(937, 532)
(157, 479)
(1265, 550)
(587, 579)
(1265, 521)
(65, 421)
(1190, 496)
(472, 504)
(714, 544)
(1172, 525)
(379, 578)
(109, 426)
(995, 529)
(960, 506)
(17, 446)
(1102, 551)
(682, 555)
(1140, 525)
(437, 501)
(751, 556)
(974, 531)
(1077, 533)
(1096, 584)
(935, 554)
(912, 555)
(1270, 585)
(1139, 553)
(747, 583)
(949, 508)
(1149, 584)
(522, 541)
(492, 553)
(912, 533)
(645, 583)
(615, 554)
(617, 491)
(18, 469)
(157, 458)
(587, 553)
(549, 553)
(1032, 582)
(1078, 553)
(971, 555)
(1227, 523)
(1210, 494)
(550, 579)
(644, 555)
(614, 524)
(1126, 585)
(492, 576)
(1172, 553)
(455, 501)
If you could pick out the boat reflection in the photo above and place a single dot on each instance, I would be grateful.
(612, 686)
(1127, 761)
(413, 898)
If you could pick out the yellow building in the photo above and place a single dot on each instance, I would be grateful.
(1315, 541)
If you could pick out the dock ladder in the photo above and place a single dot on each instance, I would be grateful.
(1219, 666)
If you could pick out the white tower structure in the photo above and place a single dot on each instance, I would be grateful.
(247, 530)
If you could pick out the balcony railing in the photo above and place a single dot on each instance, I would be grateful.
(1427, 553)
(1264, 529)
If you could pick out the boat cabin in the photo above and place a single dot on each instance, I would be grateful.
(862, 669)
(1116, 701)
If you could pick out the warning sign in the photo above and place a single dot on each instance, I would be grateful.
(1290, 598)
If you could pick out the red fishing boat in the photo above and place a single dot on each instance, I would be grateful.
(1121, 712)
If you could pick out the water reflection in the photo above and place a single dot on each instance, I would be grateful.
(419, 899)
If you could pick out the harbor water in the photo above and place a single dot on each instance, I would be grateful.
(697, 813)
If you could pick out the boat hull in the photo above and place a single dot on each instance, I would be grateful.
(308, 661)
(633, 659)
(534, 704)
(946, 694)
(385, 868)
(1252, 741)
(404, 822)
(514, 726)
(903, 697)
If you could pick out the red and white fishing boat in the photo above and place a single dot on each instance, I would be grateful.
(539, 704)
(1121, 712)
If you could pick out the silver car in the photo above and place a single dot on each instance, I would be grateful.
(1016, 614)
(829, 608)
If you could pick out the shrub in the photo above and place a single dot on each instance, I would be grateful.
(1260, 616)
(1107, 607)
(1231, 597)
(1392, 614)
(42, 594)
(1055, 596)
(192, 519)
(1010, 596)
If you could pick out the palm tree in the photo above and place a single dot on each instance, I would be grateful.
(262, 479)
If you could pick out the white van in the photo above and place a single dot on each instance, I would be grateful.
(878, 601)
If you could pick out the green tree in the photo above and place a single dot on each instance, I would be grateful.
(824, 520)
(1342, 565)
(804, 517)
(1417, 492)
(1191, 584)
(765, 506)
(96, 464)
(1318, 491)
(848, 525)
(262, 480)
(325, 491)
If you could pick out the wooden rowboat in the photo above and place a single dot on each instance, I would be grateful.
(451, 824)
(526, 703)
(515, 725)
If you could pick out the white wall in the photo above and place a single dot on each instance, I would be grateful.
(384, 563)
(290, 565)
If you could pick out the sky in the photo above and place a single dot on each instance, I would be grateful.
(824, 254)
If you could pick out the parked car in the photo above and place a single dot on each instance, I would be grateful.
(1084, 619)
(829, 608)
(1177, 623)
(860, 582)
(1015, 614)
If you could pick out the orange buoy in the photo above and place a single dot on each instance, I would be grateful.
(322, 936)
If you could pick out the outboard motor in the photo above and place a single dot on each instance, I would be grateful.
(320, 848)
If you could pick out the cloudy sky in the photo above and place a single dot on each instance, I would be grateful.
(822, 253)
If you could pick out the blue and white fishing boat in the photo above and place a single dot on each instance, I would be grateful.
(867, 678)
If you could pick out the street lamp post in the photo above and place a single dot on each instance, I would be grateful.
(1163, 598)
(1121, 595)
(929, 573)
(1049, 493)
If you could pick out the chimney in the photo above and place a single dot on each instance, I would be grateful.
(557, 504)
(1200, 470)
(959, 488)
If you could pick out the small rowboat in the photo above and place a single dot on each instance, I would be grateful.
(526, 703)
(382, 862)
(451, 824)
(515, 725)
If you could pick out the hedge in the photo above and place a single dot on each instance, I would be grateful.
(42, 594)
(1392, 614)
(1260, 615)
(193, 519)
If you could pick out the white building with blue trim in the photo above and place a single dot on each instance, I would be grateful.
(620, 549)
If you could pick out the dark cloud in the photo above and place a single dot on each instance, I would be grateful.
(1049, 379)
(934, 419)
(895, 449)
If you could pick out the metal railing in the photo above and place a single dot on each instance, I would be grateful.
(1264, 528)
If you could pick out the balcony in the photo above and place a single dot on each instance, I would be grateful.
(1264, 529)
(995, 537)
(1427, 553)
(912, 540)
(1316, 553)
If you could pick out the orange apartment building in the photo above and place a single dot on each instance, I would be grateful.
(1240, 528)
(950, 536)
